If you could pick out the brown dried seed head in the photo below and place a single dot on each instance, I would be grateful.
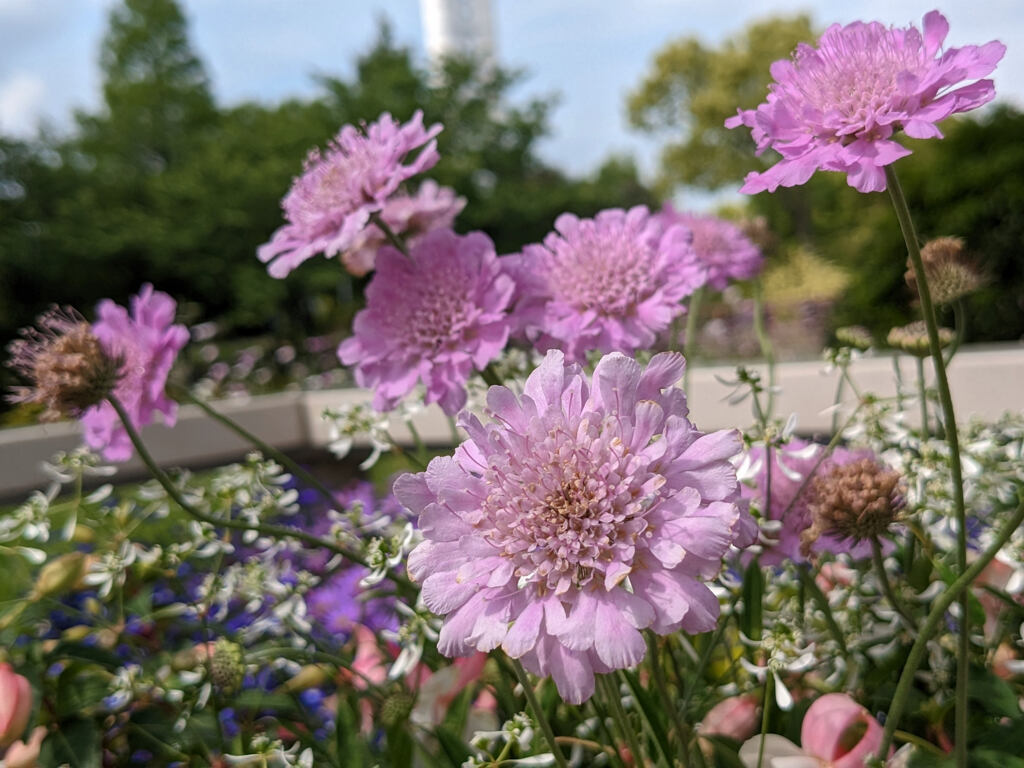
(951, 274)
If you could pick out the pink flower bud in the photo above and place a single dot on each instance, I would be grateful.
(735, 718)
(15, 705)
(840, 731)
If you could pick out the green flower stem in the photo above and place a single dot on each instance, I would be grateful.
(764, 340)
(611, 696)
(389, 233)
(490, 376)
(818, 597)
(682, 732)
(931, 623)
(922, 394)
(690, 342)
(769, 681)
(949, 422)
(277, 531)
(883, 578)
(182, 393)
(959, 329)
(538, 713)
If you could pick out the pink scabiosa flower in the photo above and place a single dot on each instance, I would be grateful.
(15, 705)
(836, 107)
(410, 216)
(145, 342)
(720, 246)
(331, 202)
(580, 514)
(788, 516)
(433, 316)
(610, 283)
(837, 732)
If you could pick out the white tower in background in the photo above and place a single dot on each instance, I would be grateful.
(458, 28)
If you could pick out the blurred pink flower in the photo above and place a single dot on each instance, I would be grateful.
(146, 343)
(580, 514)
(332, 201)
(837, 732)
(409, 216)
(737, 717)
(836, 107)
(719, 245)
(15, 705)
(610, 283)
(434, 316)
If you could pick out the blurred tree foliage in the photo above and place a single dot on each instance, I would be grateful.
(162, 185)
(971, 184)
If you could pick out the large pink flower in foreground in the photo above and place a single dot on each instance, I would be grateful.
(145, 343)
(836, 107)
(409, 216)
(787, 513)
(719, 245)
(434, 316)
(331, 202)
(837, 732)
(610, 283)
(580, 514)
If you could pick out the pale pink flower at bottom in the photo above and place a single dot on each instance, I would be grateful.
(837, 732)
(15, 705)
(145, 342)
(581, 513)
(25, 754)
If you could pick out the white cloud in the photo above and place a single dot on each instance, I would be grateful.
(21, 101)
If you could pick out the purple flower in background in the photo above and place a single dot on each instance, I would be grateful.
(338, 604)
(720, 246)
(433, 316)
(610, 283)
(145, 343)
(331, 202)
(581, 514)
(788, 515)
(411, 216)
(836, 107)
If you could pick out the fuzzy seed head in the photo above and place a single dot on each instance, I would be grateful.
(951, 274)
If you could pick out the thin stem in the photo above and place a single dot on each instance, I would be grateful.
(611, 695)
(389, 233)
(836, 402)
(682, 732)
(931, 623)
(922, 394)
(538, 713)
(764, 340)
(883, 578)
(490, 376)
(278, 531)
(282, 458)
(769, 680)
(819, 597)
(959, 329)
(949, 423)
(690, 341)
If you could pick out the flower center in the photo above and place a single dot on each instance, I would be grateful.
(853, 77)
(568, 507)
(609, 273)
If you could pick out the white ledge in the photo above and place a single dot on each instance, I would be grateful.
(985, 382)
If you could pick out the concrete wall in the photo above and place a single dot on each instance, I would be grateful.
(985, 382)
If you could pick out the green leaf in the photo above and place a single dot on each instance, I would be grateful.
(992, 695)
(454, 747)
(87, 653)
(751, 616)
(75, 743)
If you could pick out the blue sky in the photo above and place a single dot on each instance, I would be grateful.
(590, 52)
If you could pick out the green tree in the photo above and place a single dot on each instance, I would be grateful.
(691, 89)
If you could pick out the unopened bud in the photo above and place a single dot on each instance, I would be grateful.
(60, 575)
(856, 336)
(913, 338)
(950, 273)
(310, 676)
(396, 709)
(227, 667)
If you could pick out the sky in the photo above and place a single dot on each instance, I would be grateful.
(588, 52)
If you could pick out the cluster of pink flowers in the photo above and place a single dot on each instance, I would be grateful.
(582, 513)
(837, 106)
(331, 203)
